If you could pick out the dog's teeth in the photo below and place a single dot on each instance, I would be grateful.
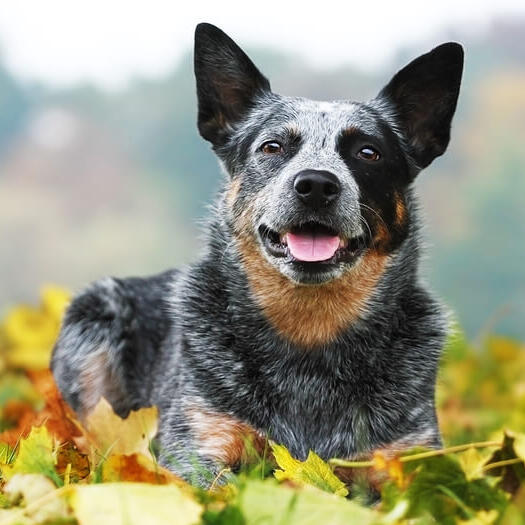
(342, 243)
(282, 239)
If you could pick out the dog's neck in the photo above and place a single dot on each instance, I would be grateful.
(310, 316)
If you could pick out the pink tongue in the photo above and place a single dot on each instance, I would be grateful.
(312, 247)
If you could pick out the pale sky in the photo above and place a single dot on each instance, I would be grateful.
(62, 42)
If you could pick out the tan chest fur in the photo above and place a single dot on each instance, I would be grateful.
(310, 315)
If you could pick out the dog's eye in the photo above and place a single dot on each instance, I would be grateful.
(368, 153)
(271, 147)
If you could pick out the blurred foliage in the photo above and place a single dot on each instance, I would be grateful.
(56, 469)
(481, 388)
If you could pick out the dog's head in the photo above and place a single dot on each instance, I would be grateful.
(316, 185)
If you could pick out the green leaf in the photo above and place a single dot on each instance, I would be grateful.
(133, 504)
(230, 515)
(265, 502)
(440, 489)
(35, 456)
(314, 471)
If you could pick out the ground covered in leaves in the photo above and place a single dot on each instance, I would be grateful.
(56, 470)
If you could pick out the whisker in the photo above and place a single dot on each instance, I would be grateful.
(365, 222)
(373, 211)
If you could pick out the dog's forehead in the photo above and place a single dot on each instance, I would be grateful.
(319, 119)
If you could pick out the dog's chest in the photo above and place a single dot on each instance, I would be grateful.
(313, 406)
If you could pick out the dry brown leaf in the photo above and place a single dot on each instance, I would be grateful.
(136, 467)
(79, 466)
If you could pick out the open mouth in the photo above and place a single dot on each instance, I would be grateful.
(311, 243)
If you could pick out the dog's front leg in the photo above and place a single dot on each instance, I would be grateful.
(200, 444)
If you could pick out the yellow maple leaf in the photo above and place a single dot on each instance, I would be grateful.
(314, 471)
(36, 455)
(472, 462)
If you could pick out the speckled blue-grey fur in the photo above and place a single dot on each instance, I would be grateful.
(199, 338)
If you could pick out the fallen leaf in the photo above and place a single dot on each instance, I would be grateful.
(108, 433)
(71, 462)
(35, 456)
(21, 416)
(133, 504)
(138, 468)
(392, 466)
(439, 488)
(33, 489)
(472, 462)
(59, 418)
(314, 471)
(512, 449)
(272, 504)
(56, 414)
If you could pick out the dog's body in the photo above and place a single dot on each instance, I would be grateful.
(305, 319)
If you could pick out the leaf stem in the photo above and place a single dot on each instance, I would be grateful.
(415, 457)
(219, 476)
(503, 463)
(353, 464)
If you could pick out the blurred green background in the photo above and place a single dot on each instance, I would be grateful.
(96, 182)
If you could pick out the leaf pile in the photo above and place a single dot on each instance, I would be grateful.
(56, 469)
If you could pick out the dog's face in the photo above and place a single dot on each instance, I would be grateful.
(316, 185)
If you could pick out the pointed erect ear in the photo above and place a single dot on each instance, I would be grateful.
(424, 96)
(227, 82)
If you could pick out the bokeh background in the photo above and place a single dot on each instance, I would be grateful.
(102, 171)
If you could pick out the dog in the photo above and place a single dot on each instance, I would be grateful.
(305, 319)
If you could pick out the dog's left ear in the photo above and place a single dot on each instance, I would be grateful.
(227, 82)
(424, 95)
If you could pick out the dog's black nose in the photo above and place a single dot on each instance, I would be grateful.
(316, 188)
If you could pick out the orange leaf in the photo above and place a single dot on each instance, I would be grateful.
(136, 467)
(22, 416)
(57, 415)
(391, 465)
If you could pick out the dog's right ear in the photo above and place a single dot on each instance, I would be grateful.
(227, 82)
